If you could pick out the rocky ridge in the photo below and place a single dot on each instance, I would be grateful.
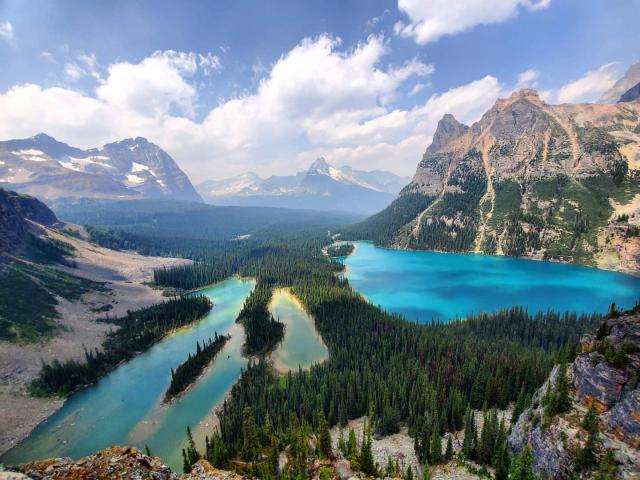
(603, 377)
(131, 168)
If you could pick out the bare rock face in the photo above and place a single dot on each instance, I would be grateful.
(605, 375)
(122, 463)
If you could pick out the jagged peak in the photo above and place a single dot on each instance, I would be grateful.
(528, 94)
(319, 165)
(448, 128)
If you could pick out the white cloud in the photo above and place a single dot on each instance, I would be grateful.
(73, 72)
(429, 20)
(417, 88)
(318, 97)
(590, 86)
(528, 78)
(6, 32)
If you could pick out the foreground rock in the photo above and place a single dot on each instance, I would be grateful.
(115, 463)
(605, 376)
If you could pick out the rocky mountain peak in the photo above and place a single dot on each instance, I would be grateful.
(448, 128)
(320, 165)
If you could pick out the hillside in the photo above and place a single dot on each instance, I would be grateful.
(132, 168)
(597, 425)
(320, 187)
(559, 182)
(54, 285)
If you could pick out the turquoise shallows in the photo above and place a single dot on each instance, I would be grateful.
(125, 408)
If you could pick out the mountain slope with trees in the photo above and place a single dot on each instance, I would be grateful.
(559, 182)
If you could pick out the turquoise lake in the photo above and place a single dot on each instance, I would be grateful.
(422, 286)
(125, 407)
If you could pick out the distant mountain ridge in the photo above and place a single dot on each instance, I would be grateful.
(623, 85)
(528, 179)
(131, 168)
(321, 186)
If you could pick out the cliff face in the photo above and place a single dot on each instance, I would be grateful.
(529, 179)
(126, 463)
(603, 377)
(15, 212)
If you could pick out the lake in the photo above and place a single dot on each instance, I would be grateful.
(125, 407)
(422, 286)
(302, 345)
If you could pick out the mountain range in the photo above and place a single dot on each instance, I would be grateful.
(320, 187)
(131, 168)
(560, 182)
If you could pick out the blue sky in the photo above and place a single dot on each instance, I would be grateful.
(267, 86)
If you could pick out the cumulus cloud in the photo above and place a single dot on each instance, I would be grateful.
(429, 20)
(528, 78)
(6, 32)
(318, 98)
(588, 88)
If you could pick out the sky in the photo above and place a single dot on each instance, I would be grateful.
(267, 86)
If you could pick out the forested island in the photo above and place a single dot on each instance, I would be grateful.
(188, 371)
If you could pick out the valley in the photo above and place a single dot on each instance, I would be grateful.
(280, 240)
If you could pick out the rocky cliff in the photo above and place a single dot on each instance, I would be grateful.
(15, 213)
(528, 179)
(122, 463)
(604, 378)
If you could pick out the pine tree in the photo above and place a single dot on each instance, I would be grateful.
(250, 445)
(519, 407)
(367, 464)
(191, 455)
(607, 470)
(324, 441)
(449, 452)
(352, 448)
(563, 401)
(426, 473)
(586, 457)
(501, 462)
(435, 456)
(469, 444)
(409, 475)
(522, 465)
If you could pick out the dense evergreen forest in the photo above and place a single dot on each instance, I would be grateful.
(189, 370)
(137, 331)
(380, 365)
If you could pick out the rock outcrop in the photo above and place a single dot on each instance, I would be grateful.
(15, 212)
(118, 463)
(604, 377)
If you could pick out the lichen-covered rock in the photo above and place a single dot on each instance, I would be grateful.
(115, 463)
(604, 375)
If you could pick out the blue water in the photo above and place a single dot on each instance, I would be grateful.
(423, 286)
(125, 406)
